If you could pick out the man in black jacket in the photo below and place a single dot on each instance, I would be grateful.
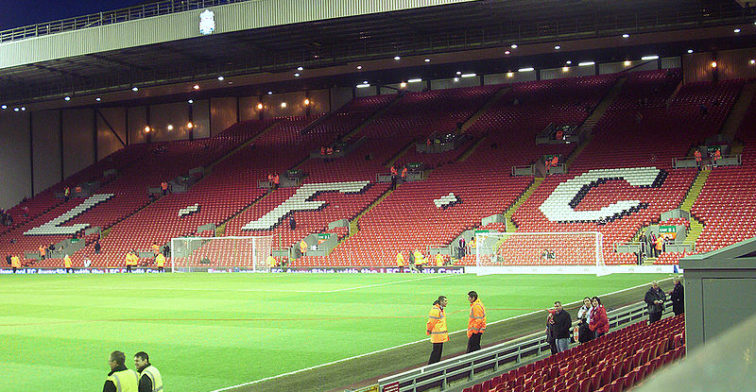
(655, 300)
(677, 295)
(561, 327)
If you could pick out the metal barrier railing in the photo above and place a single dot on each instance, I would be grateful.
(492, 359)
(109, 17)
(629, 22)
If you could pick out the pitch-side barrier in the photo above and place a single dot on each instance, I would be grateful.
(491, 361)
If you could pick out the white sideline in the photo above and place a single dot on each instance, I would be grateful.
(399, 346)
(258, 290)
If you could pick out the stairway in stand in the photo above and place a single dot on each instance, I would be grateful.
(696, 227)
(520, 200)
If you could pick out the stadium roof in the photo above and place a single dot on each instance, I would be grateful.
(275, 52)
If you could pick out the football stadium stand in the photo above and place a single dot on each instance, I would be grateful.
(627, 154)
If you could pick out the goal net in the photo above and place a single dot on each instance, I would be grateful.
(221, 253)
(566, 252)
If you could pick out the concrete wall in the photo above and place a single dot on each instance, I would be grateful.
(78, 140)
(671, 62)
(294, 104)
(15, 160)
(222, 114)
(366, 92)
(396, 87)
(201, 119)
(46, 149)
(440, 84)
(137, 120)
(107, 141)
(567, 72)
(340, 96)
(174, 114)
(248, 108)
(510, 77)
(320, 101)
(634, 66)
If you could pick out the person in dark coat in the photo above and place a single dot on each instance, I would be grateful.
(655, 300)
(550, 333)
(678, 297)
(562, 326)
(292, 223)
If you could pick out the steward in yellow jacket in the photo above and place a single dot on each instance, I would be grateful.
(476, 326)
(15, 263)
(160, 262)
(436, 328)
(419, 258)
(131, 261)
(120, 379)
(399, 259)
(67, 264)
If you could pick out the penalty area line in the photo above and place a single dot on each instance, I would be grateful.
(293, 372)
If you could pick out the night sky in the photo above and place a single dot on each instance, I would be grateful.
(15, 13)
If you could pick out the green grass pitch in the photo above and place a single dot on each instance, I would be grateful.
(208, 331)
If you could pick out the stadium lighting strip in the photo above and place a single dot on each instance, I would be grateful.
(459, 74)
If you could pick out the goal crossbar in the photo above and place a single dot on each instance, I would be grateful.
(229, 253)
(539, 252)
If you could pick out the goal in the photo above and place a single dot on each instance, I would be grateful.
(556, 252)
(190, 254)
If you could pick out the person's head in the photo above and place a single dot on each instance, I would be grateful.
(141, 360)
(677, 280)
(441, 301)
(557, 306)
(472, 296)
(117, 358)
(655, 285)
(587, 302)
(596, 301)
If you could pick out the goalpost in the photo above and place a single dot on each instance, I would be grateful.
(222, 253)
(555, 252)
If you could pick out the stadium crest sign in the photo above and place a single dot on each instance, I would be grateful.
(207, 22)
(561, 203)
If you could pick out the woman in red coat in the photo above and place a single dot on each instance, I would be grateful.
(599, 323)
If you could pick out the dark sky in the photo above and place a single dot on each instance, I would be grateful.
(15, 13)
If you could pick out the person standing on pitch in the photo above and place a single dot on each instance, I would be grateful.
(436, 328)
(120, 379)
(476, 326)
(150, 379)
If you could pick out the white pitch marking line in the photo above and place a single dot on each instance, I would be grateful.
(253, 290)
(385, 284)
(399, 346)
